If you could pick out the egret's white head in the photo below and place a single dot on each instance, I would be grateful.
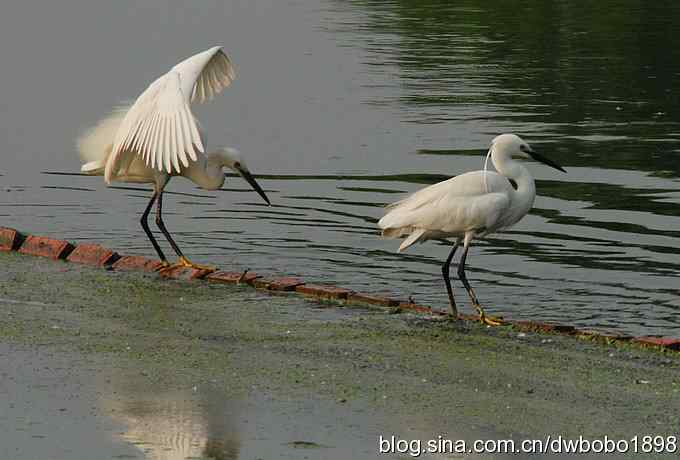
(512, 145)
(232, 159)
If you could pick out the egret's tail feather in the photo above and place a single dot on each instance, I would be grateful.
(94, 167)
(414, 235)
(94, 146)
(393, 225)
(412, 238)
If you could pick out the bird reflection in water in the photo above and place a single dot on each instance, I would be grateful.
(177, 425)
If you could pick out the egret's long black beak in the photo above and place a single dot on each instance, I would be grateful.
(544, 160)
(253, 183)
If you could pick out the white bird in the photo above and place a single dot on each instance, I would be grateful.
(158, 137)
(474, 204)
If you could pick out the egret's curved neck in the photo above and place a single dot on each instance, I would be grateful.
(207, 172)
(513, 169)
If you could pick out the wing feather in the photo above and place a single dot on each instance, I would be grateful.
(160, 127)
(153, 140)
(456, 205)
(195, 135)
(165, 144)
(137, 142)
(217, 75)
(187, 136)
(155, 149)
(177, 150)
(174, 151)
(143, 147)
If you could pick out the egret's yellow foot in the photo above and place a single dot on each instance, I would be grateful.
(488, 320)
(164, 266)
(184, 262)
(167, 266)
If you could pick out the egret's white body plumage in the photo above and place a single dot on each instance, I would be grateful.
(468, 203)
(473, 204)
(158, 137)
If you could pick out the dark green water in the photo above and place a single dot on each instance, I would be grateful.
(344, 106)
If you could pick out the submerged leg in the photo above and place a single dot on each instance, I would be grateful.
(183, 261)
(489, 320)
(445, 272)
(145, 226)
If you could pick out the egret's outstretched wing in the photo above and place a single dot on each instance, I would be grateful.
(160, 125)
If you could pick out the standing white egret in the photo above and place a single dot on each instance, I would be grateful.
(158, 137)
(471, 205)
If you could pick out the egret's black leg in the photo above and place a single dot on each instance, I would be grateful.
(161, 225)
(490, 320)
(183, 261)
(145, 226)
(445, 272)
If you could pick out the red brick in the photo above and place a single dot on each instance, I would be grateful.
(602, 335)
(544, 327)
(671, 343)
(224, 277)
(184, 273)
(45, 247)
(137, 263)
(287, 283)
(92, 254)
(9, 239)
(250, 278)
(418, 308)
(360, 297)
(261, 283)
(562, 328)
(232, 277)
(324, 292)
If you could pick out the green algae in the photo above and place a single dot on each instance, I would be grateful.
(404, 364)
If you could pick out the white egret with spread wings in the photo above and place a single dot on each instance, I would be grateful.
(158, 137)
(470, 205)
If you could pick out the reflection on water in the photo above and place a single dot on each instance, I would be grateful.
(202, 424)
(343, 107)
(176, 425)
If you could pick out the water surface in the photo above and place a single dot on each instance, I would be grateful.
(344, 106)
